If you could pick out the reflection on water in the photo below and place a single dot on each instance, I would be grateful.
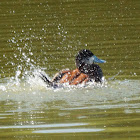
(43, 126)
(45, 36)
(68, 130)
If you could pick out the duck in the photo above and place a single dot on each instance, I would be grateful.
(86, 70)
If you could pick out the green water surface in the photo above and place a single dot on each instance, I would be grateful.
(46, 35)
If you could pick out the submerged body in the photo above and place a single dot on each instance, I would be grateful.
(86, 71)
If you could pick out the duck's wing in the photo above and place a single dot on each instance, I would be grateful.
(82, 78)
(57, 77)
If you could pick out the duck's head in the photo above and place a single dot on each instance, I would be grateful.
(86, 57)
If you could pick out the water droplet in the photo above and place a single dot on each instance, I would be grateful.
(135, 74)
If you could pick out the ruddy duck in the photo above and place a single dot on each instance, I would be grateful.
(86, 70)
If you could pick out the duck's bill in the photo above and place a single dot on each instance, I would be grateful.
(97, 60)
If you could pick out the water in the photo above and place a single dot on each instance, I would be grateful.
(45, 36)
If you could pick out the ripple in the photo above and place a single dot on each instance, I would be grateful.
(44, 125)
(74, 130)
